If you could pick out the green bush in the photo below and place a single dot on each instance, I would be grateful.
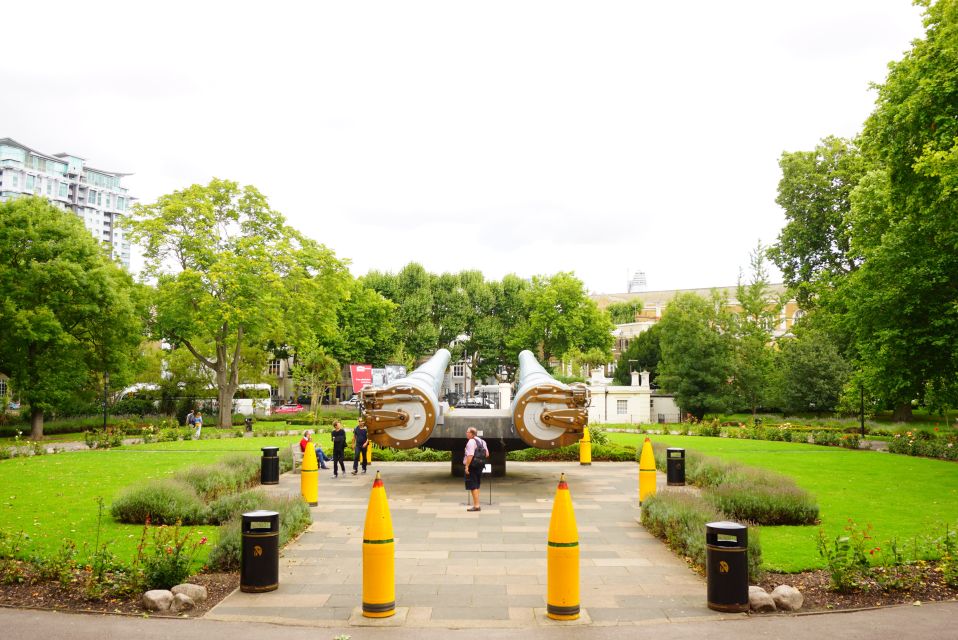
(229, 475)
(680, 519)
(165, 556)
(160, 501)
(746, 493)
(294, 517)
(764, 501)
(229, 506)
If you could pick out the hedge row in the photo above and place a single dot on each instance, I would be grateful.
(198, 495)
(680, 519)
(746, 493)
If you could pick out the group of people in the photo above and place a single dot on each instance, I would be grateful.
(360, 447)
(476, 452)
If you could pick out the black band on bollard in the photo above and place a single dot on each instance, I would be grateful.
(379, 608)
(562, 611)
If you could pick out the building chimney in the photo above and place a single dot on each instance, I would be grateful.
(635, 378)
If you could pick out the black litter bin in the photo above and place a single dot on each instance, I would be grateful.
(269, 468)
(259, 559)
(726, 566)
(675, 466)
(249, 425)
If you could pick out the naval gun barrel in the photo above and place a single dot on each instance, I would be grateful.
(547, 413)
(404, 412)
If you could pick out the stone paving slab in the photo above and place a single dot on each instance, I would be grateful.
(456, 569)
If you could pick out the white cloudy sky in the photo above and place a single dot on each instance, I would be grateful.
(525, 137)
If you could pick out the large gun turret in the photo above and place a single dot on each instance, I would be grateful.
(547, 413)
(404, 412)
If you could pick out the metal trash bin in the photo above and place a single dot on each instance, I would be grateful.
(726, 566)
(269, 466)
(259, 558)
(675, 466)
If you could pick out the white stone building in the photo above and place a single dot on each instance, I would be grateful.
(633, 404)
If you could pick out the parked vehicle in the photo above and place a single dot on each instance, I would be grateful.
(475, 402)
(352, 402)
(289, 408)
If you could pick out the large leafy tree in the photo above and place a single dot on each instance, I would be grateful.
(890, 296)
(642, 354)
(814, 248)
(411, 289)
(561, 317)
(231, 274)
(67, 312)
(809, 373)
(901, 306)
(366, 333)
(697, 354)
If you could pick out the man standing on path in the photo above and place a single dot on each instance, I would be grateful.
(339, 448)
(360, 442)
(476, 451)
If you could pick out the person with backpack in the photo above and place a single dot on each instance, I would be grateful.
(475, 460)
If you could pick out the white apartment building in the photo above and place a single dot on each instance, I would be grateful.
(93, 194)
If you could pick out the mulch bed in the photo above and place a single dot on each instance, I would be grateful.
(921, 584)
(37, 594)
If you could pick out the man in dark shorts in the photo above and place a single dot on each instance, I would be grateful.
(473, 476)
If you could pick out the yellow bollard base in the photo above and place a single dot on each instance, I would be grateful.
(313, 504)
(586, 464)
(555, 616)
(385, 614)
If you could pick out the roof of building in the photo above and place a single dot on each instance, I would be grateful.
(662, 298)
(30, 149)
(59, 157)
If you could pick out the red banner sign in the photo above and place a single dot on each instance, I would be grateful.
(362, 375)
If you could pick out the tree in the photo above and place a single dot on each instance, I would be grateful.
(317, 370)
(624, 312)
(68, 313)
(696, 360)
(366, 333)
(643, 354)
(901, 304)
(411, 290)
(751, 329)
(230, 273)
(810, 373)
(814, 248)
(560, 316)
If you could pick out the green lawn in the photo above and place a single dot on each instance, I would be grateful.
(900, 496)
(53, 497)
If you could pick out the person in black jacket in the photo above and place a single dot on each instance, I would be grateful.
(360, 442)
(339, 448)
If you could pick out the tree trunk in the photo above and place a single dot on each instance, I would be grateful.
(36, 424)
(902, 412)
(315, 401)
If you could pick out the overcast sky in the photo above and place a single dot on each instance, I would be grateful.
(526, 137)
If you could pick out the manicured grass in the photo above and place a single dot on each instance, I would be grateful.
(902, 497)
(53, 497)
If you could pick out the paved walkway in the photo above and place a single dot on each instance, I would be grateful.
(456, 569)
